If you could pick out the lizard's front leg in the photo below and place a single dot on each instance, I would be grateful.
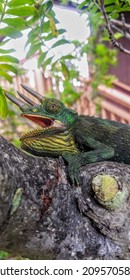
(100, 152)
(74, 163)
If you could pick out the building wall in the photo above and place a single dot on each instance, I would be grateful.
(122, 70)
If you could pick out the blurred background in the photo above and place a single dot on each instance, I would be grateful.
(63, 49)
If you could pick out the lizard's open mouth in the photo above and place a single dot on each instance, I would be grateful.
(40, 120)
(45, 122)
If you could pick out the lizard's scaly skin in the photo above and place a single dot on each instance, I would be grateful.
(79, 139)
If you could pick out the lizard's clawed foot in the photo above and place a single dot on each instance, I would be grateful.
(80, 201)
(74, 163)
(73, 168)
(74, 177)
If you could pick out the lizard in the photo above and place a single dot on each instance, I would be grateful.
(79, 139)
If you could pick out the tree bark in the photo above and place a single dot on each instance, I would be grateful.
(40, 217)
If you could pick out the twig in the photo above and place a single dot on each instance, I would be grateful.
(111, 34)
(127, 35)
(120, 23)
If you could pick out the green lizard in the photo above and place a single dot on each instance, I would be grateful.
(79, 139)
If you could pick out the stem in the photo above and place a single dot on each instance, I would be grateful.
(110, 31)
(4, 10)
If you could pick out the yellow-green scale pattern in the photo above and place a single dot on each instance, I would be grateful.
(49, 141)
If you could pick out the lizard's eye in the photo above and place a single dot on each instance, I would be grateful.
(53, 107)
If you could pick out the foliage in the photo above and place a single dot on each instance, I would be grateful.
(11, 127)
(4, 255)
(100, 55)
(3, 105)
(7, 256)
(38, 17)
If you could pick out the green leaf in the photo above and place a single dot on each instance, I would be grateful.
(48, 37)
(7, 51)
(1, 7)
(80, 6)
(31, 37)
(118, 35)
(61, 31)
(41, 58)
(48, 61)
(48, 7)
(60, 42)
(16, 200)
(3, 105)
(17, 3)
(22, 11)
(8, 67)
(29, 41)
(42, 22)
(33, 49)
(46, 26)
(8, 58)
(91, 5)
(10, 32)
(41, 10)
(68, 56)
(110, 8)
(53, 28)
(32, 20)
(6, 76)
(19, 22)
(108, 2)
(4, 42)
(4, 255)
(121, 10)
(65, 70)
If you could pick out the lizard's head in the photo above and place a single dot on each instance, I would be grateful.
(50, 112)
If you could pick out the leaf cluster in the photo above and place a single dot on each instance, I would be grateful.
(45, 37)
(12, 23)
(100, 55)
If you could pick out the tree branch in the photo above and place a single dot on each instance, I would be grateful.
(127, 35)
(121, 24)
(110, 31)
(39, 214)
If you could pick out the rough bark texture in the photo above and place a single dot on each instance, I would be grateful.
(47, 223)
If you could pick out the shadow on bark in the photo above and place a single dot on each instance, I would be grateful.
(39, 209)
